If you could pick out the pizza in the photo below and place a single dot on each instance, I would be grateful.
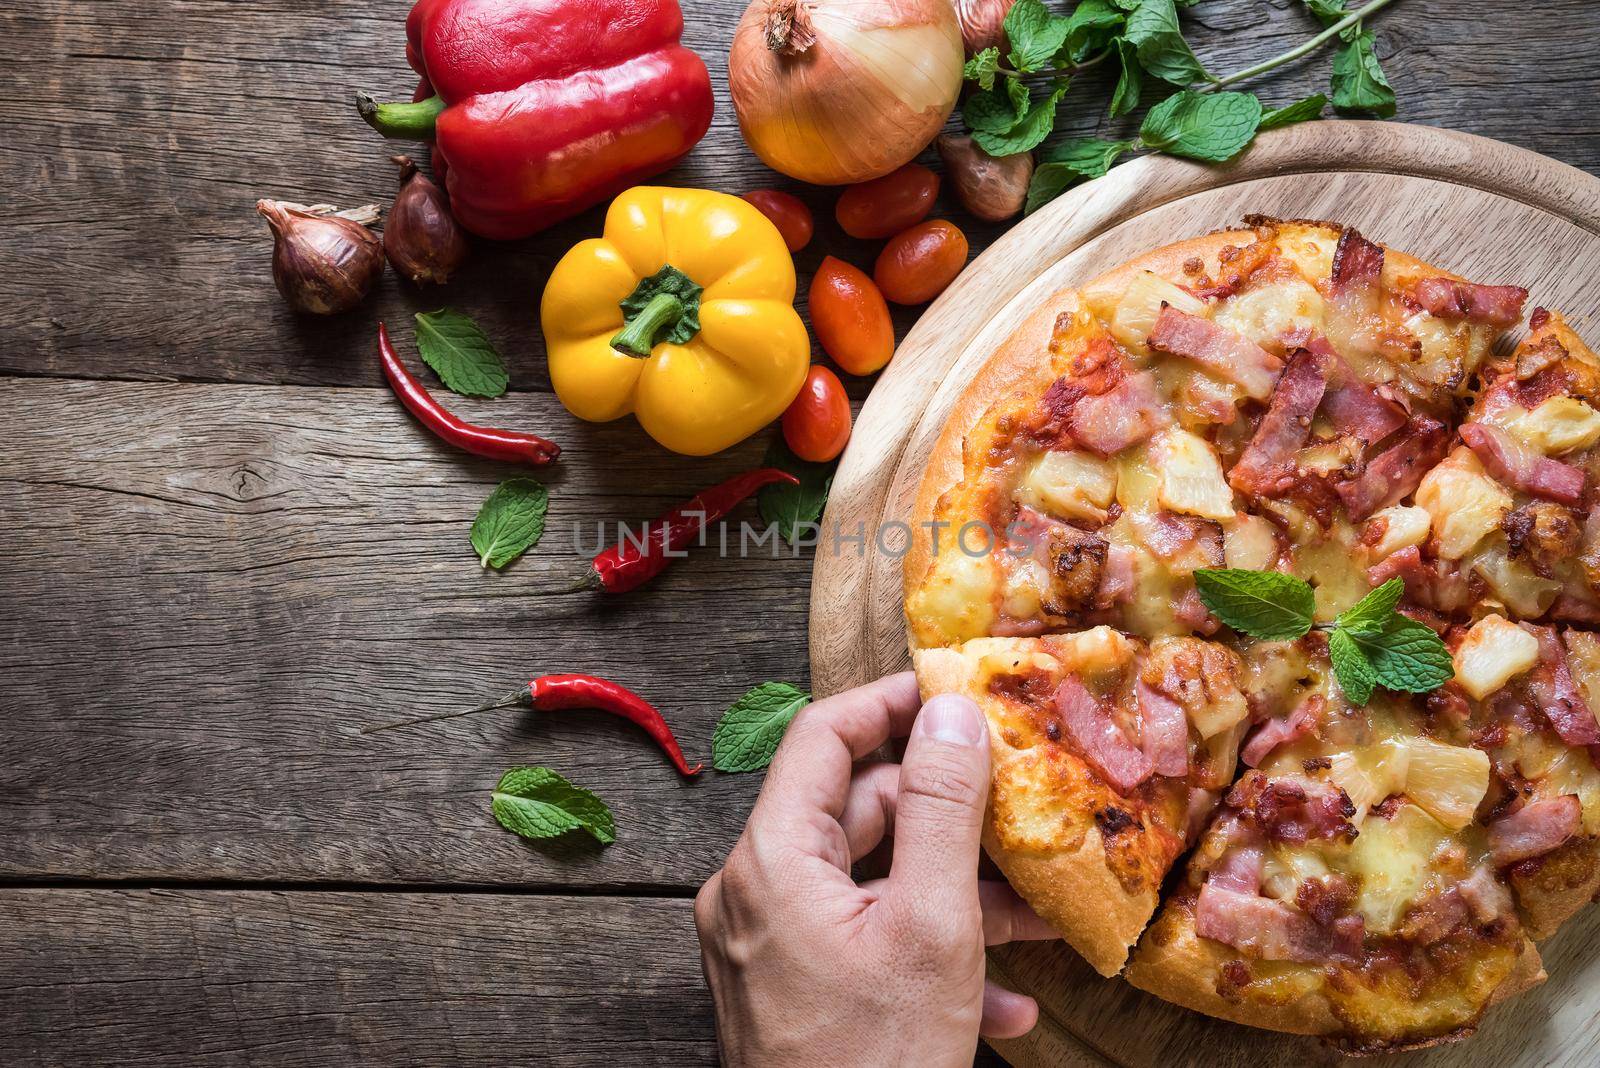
(1218, 814)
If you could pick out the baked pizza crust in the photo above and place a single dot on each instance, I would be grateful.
(1055, 885)
(1553, 890)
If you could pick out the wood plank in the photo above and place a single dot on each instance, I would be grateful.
(136, 144)
(210, 589)
(161, 977)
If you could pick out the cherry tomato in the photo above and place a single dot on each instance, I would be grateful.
(889, 204)
(817, 424)
(850, 318)
(917, 264)
(787, 212)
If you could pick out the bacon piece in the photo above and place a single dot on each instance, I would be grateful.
(1491, 305)
(1355, 407)
(1485, 895)
(1220, 351)
(1116, 577)
(1396, 472)
(1239, 870)
(1357, 263)
(1125, 415)
(1098, 738)
(1293, 812)
(1192, 612)
(1434, 917)
(1266, 467)
(1175, 537)
(1272, 930)
(1280, 731)
(1535, 829)
(1523, 468)
(1163, 731)
(1570, 609)
(1556, 694)
(1432, 584)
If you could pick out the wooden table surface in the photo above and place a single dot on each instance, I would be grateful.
(224, 550)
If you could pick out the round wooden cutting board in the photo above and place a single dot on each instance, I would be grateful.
(1486, 210)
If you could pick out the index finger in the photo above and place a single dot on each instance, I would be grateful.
(810, 774)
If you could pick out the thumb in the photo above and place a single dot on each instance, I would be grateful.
(944, 788)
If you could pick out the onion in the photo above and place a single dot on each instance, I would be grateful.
(840, 91)
(982, 23)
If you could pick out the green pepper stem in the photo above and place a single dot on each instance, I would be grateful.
(404, 122)
(638, 337)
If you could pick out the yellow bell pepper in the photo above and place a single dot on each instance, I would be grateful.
(682, 314)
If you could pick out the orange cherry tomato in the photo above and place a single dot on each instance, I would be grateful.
(889, 204)
(850, 318)
(917, 264)
(787, 212)
(817, 424)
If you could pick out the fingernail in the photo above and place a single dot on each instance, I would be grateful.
(952, 718)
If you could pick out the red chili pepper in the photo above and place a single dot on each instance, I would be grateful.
(511, 445)
(635, 561)
(555, 693)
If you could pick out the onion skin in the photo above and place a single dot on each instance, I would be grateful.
(422, 239)
(982, 23)
(322, 264)
(830, 113)
(994, 188)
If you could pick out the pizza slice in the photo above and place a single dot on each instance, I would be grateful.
(1343, 889)
(1108, 754)
(1527, 695)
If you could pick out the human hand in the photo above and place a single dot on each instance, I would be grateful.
(807, 967)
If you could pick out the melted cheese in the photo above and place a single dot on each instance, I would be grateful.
(954, 602)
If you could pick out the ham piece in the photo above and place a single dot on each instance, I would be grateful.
(1357, 266)
(1273, 930)
(1535, 829)
(1163, 731)
(1098, 739)
(1280, 731)
(1222, 352)
(1266, 466)
(1397, 471)
(1490, 305)
(1354, 407)
(1522, 468)
(1556, 694)
(1126, 414)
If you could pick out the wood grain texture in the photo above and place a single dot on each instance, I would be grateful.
(137, 143)
(1478, 207)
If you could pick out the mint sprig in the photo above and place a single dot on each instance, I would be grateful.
(539, 804)
(1370, 644)
(749, 732)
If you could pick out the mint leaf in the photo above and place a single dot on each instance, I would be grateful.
(1090, 28)
(1206, 126)
(1129, 83)
(537, 803)
(1327, 11)
(1373, 612)
(463, 357)
(1035, 35)
(1351, 667)
(1068, 163)
(1300, 111)
(1407, 656)
(786, 506)
(1034, 126)
(1359, 85)
(998, 109)
(749, 732)
(510, 522)
(982, 68)
(1153, 28)
(1263, 604)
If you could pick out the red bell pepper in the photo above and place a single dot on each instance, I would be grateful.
(539, 109)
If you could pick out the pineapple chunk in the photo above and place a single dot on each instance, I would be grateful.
(1370, 774)
(1403, 527)
(1136, 313)
(1267, 313)
(1494, 651)
(1190, 476)
(1391, 859)
(1286, 869)
(1000, 656)
(1070, 485)
(1099, 649)
(1447, 780)
(1559, 425)
(1521, 589)
(1251, 543)
(1027, 584)
(1465, 503)
(1583, 658)
(954, 601)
